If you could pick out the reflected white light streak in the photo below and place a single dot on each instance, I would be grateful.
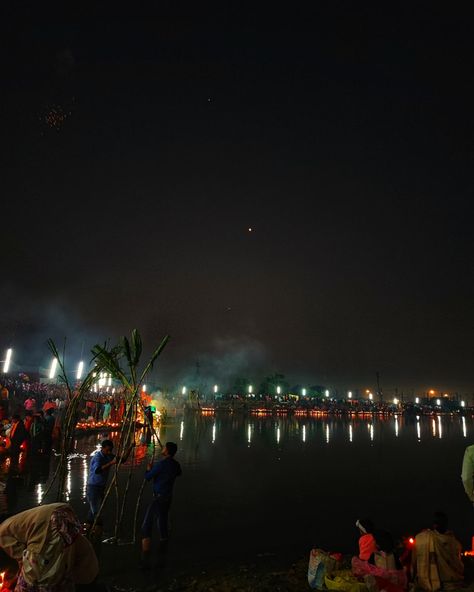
(464, 429)
(327, 433)
(68, 481)
(440, 427)
(213, 433)
(84, 478)
(181, 430)
(350, 432)
(278, 434)
(371, 431)
(39, 493)
(249, 434)
(80, 369)
(418, 431)
(433, 426)
(304, 434)
(396, 426)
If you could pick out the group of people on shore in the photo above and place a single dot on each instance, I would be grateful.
(431, 560)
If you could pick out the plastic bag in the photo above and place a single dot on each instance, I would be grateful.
(321, 564)
(345, 581)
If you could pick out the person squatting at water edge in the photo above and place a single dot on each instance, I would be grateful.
(99, 469)
(163, 473)
(42, 550)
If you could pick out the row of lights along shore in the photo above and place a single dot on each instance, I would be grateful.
(106, 380)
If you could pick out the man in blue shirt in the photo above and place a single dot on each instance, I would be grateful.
(163, 473)
(99, 469)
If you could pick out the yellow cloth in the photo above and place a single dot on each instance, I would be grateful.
(45, 560)
(344, 581)
(437, 560)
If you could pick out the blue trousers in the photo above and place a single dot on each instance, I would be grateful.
(95, 495)
(158, 510)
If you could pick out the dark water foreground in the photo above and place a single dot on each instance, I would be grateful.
(264, 491)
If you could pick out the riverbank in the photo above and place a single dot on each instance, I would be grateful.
(262, 573)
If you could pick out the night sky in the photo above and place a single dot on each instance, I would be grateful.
(137, 151)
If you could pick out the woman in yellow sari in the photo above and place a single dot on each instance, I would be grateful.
(42, 550)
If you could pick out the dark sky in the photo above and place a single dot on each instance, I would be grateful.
(138, 150)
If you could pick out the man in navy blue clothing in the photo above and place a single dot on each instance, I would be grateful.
(99, 469)
(163, 473)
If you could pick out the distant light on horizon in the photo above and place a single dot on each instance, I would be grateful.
(144, 388)
(417, 400)
(80, 368)
(303, 392)
(52, 370)
(349, 394)
(395, 401)
(438, 402)
(463, 403)
(327, 393)
(183, 390)
(371, 396)
(8, 357)
(278, 390)
(216, 388)
(250, 389)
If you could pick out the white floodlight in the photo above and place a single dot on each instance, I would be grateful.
(80, 368)
(52, 370)
(6, 363)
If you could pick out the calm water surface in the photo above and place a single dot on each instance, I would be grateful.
(260, 485)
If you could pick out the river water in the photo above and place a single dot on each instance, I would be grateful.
(260, 486)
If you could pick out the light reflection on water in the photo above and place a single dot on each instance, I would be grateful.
(266, 435)
(287, 428)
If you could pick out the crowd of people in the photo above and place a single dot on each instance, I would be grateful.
(30, 414)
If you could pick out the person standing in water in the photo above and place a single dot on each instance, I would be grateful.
(163, 473)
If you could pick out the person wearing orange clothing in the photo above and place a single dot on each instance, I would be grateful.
(367, 544)
(18, 434)
(49, 404)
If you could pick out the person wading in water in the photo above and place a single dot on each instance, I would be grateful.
(163, 473)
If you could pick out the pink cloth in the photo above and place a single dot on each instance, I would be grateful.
(364, 568)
